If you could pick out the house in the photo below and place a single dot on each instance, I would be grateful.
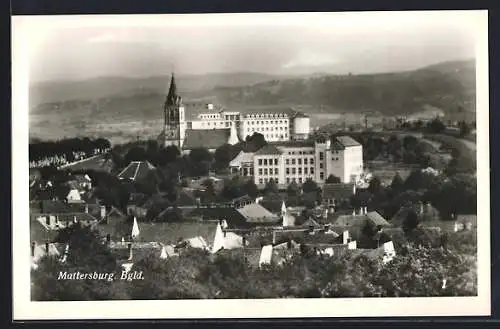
(136, 171)
(242, 164)
(211, 139)
(39, 251)
(465, 223)
(255, 214)
(333, 193)
(82, 183)
(354, 223)
(74, 196)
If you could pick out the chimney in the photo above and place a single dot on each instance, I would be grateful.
(274, 237)
(244, 238)
(130, 254)
(354, 212)
(86, 208)
(33, 249)
(47, 247)
(366, 210)
(421, 208)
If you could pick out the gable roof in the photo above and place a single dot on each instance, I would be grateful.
(255, 213)
(268, 149)
(377, 219)
(242, 157)
(337, 191)
(206, 138)
(233, 218)
(358, 220)
(136, 170)
(341, 142)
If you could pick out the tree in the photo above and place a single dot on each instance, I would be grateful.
(375, 186)
(436, 126)
(332, 179)
(233, 188)
(271, 187)
(309, 186)
(293, 189)
(200, 155)
(254, 142)
(136, 154)
(250, 188)
(410, 223)
(223, 155)
(167, 154)
(464, 128)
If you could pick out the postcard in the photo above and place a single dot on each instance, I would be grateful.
(251, 165)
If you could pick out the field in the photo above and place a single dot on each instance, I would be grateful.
(386, 171)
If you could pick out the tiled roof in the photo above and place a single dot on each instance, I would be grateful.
(294, 143)
(136, 170)
(265, 109)
(255, 213)
(242, 157)
(341, 142)
(337, 191)
(233, 218)
(358, 220)
(377, 219)
(206, 138)
(268, 149)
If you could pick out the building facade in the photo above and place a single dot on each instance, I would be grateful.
(180, 119)
(298, 161)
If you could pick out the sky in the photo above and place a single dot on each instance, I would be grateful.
(82, 47)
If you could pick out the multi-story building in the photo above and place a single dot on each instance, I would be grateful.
(297, 161)
(195, 124)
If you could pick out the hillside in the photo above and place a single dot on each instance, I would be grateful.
(124, 108)
(97, 88)
(447, 86)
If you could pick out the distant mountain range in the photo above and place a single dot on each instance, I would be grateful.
(448, 86)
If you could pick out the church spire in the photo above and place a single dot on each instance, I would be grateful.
(172, 92)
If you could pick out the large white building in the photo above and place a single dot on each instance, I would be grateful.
(193, 125)
(297, 161)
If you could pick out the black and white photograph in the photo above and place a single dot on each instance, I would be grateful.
(251, 165)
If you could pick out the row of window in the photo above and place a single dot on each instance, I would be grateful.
(264, 171)
(299, 161)
(267, 115)
(268, 122)
(267, 129)
(265, 180)
(294, 171)
(270, 161)
(300, 180)
(301, 152)
(210, 116)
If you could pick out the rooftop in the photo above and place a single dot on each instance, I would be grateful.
(242, 157)
(136, 170)
(206, 138)
(341, 142)
(338, 191)
(255, 213)
(294, 143)
(268, 149)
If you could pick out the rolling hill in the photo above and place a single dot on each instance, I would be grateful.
(130, 106)
(448, 86)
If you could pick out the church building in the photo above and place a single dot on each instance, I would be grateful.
(194, 125)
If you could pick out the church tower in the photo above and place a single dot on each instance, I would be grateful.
(174, 127)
